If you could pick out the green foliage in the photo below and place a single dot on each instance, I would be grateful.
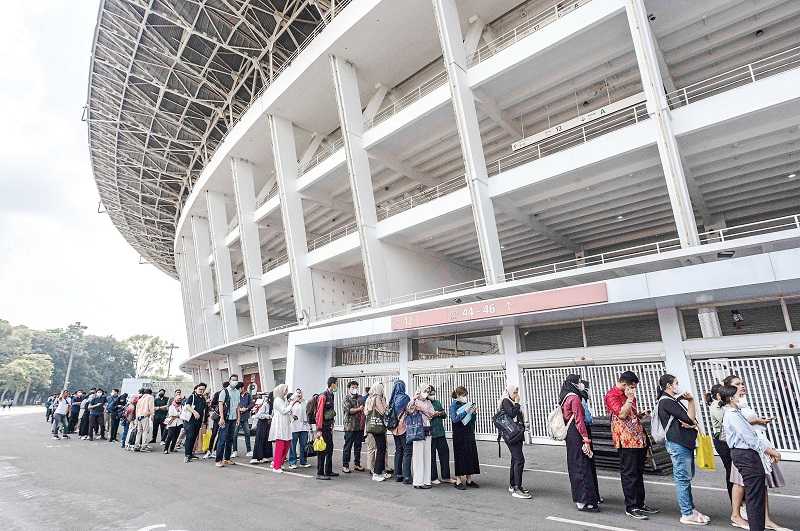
(27, 371)
(151, 355)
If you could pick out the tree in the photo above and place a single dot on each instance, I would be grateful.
(26, 371)
(151, 354)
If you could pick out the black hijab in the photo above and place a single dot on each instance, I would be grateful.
(570, 385)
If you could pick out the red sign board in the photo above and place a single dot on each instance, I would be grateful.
(515, 305)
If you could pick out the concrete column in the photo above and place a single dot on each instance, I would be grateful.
(307, 368)
(294, 226)
(202, 250)
(218, 223)
(245, 195)
(469, 134)
(352, 124)
(193, 289)
(405, 356)
(646, 47)
(675, 358)
(709, 322)
(510, 342)
(181, 265)
(265, 369)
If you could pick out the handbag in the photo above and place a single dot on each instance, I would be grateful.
(414, 429)
(319, 445)
(310, 452)
(704, 457)
(375, 423)
(186, 414)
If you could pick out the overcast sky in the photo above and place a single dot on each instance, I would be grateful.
(61, 261)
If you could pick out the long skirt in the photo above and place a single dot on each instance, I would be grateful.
(263, 447)
(83, 427)
(582, 472)
(465, 450)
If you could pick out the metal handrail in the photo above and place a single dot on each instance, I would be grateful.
(272, 193)
(739, 76)
(325, 153)
(425, 196)
(335, 234)
(239, 283)
(415, 95)
(531, 25)
(276, 261)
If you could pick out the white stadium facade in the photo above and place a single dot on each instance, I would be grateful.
(465, 192)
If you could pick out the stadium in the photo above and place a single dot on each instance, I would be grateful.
(464, 192)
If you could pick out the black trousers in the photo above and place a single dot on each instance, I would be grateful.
(380, 452)
(263, 446)
(352, 440)
(96, 424)
(214, 431)
(440, 449)
(725, 455)
(114, 427)
(325, 459)
(517, 464)
(172, 438)
(399, 450)
(631, 474)
(73, 421)
(755, 487)
(192, 428)
(158, 424)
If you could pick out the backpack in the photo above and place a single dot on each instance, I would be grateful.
(507, 428)
(657, 431)
(556, 427)
(391, 420)
(414, 428)
(311, 410)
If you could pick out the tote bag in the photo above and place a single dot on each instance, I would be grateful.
(704, 457)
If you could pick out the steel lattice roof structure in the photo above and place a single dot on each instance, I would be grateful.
(168, 80)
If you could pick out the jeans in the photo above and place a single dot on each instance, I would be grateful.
(352, 439)
(631, 474)
(439, 448)
(244, 425)
(399, 454)
(682, 474)
(225, 440)
(59, 420)
(298, 437)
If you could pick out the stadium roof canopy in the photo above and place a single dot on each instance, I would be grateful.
(168, 79)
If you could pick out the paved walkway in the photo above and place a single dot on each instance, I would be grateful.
(80, 485)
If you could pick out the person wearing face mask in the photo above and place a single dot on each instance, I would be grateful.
(245, 404)
(161, 404)
(752, 455)
(353, 427)
(262, 451)
(83, 427)
(509, 404)
(75, 411)
(300, 429)
(324, 421)
(774, 476)
(144, 421)
(680, 427)
(213, 409)
(280, 432)
(439, 446)
(228, 410)
(421, 450)
(402, 448)
(465, 449)
(97, 424)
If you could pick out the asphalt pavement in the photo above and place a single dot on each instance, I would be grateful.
(80, 485)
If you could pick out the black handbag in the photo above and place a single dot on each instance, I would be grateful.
(310, 452)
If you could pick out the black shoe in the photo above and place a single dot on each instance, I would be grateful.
(426, 487)
(649, 510)
(406, 482)
(399, 479)
(389, 471)
(601, 500)
(460, 486)
(103, 439)
(473, 485)
(166, 452)
(636, 514)
(187, 459)
(333, 475)
(589, 509)
(326, 478)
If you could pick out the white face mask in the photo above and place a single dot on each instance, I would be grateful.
(462, 399)
(581, 387)
(354, 392)
(423, 395)
(742, 401)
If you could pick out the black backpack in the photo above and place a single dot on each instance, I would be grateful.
(507, 429)
(391, 419)
(311, 410)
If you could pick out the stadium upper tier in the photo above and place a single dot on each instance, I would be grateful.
(168, 80)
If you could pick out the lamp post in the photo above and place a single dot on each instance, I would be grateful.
(171, 347)
(74, 334)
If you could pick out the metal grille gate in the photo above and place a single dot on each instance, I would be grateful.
(484, 387)
(542, 385)
(773, 390)
(363, 382)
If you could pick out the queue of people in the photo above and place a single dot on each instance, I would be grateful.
(289, 430)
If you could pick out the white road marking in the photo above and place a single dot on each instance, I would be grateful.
(266, 469)
(151, 527)
(586, 524)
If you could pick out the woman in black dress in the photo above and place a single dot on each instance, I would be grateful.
(262, 451)
(465, 449)
(580, 456)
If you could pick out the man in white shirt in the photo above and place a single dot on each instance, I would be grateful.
(60, 414)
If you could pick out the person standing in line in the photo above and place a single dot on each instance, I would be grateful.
(197, 405)
(96, 421)
(61, 409)
(174, 424)
(145, 410)
(716, 412)
(353, 428)
(161, 404)
(752, 456)
(245, 404)
(181, 432)
(121, 407)
(509, 404)
(280, 432)
(324, 422)
(438, 441)
(630, 440)
(774, 476)
(465, 449)
(300, 429)
(83, 427)
(213, 409)
(421, 452)
(134, 425)
(588, 420)
(398, 402)
(48, 408)
(228, 420)
(112, 414)
(680, 428)
(262, 452)
(376, 406)
(75, 411)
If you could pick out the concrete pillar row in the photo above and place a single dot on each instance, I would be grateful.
(201, 239)
(218, 225)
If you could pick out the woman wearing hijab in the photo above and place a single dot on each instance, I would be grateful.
(402, 452)
(173, 423)
(281, 430)
(421, 453)
(262, 451)
(121, 406)
(376, 405)
(580, 456)
(510, 405)
(465, 449)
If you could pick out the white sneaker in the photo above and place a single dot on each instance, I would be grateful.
(234, 454)
(436, 482)
(378, 477)
(516, 493)
(162, 443)
(249, 454)
(254, 461)
(292, 467)
(307, 465)
(277, 470)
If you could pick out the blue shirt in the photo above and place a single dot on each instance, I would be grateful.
(739, 433)
(234, 401)
(245, 401)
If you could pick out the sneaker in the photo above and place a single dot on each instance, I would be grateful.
(460, 486)
(436, 482)
(378, 477)
(277, 470)
(649, 510)
(332, 475)
(254, 461)
(322, 478)
(147, 449)
(358, 468)
(207, 455)
(65, 436)
(234, 454)
(56, 438)
(228, 462)
(249, 454)
(345, 470)
(219, 464)
(292, 467)
(589, 509)
(305, 466)
(166, 452)
(162, 443)
(517, 493)
(636, 514)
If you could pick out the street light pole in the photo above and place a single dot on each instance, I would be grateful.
(171, 347)
(74, 328)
